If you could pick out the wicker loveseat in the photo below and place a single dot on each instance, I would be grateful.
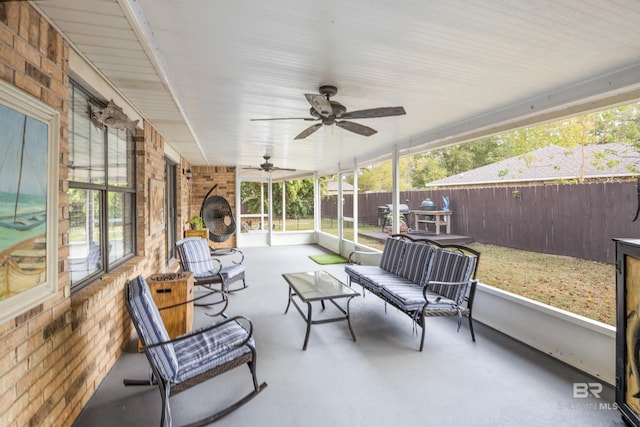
(421, 278)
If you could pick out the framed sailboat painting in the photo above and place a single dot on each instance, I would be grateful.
(29, 143)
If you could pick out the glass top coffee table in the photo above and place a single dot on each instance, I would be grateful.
(318, 286)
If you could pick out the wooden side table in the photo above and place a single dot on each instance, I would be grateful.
(169, 289)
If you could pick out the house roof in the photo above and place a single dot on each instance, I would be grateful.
(553, 163)
(332, 187)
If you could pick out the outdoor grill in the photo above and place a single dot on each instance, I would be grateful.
(385, 210)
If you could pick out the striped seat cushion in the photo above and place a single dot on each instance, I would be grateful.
(357, 272)
(146, 316)
(210, 349)
(376, 282)
(231, 273)
(195, 255)
(444, 307)
(409, 298)
(415, 262)
(392, 255)
(449, 266)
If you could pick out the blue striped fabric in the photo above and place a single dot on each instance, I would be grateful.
(147, 317)
(392, 255)
(472, 265)
(357, 272)
(407, 296)
(196, 256)
(448, 266)
(377, 282)
(415, 262)
(210, 349)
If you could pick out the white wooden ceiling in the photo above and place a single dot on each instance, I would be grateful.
(199, 70)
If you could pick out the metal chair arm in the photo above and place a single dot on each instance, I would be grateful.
(206, 329)
(228, 252)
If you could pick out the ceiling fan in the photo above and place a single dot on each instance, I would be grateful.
(331, 112)
(267, 166)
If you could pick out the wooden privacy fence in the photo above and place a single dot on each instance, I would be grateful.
(578, 220)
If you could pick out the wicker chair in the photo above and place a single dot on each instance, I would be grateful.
(190, 359)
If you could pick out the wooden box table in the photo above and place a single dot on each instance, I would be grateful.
(170, 289)
(318, 286)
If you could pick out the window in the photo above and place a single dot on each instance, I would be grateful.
(329, 205)
(101, 192)
(293, 205)
(254, 211)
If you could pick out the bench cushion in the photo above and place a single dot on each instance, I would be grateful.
(409, 297)
(392, 255)
(376, 283)
(210, 349)
(449, 266)
(444, 307)
(415, 262)
(151, 327)
(356, 272)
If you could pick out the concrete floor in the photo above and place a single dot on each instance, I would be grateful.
(379, 380)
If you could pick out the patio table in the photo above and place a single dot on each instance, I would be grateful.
(318, 286)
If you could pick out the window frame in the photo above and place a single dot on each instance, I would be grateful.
(104, 188)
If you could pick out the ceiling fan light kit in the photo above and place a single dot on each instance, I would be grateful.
(330, 112)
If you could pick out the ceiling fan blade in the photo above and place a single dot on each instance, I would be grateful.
(373, 112)
(275, 168)
(320, 103)
(356, 127)
(284, 118)
(308, 131)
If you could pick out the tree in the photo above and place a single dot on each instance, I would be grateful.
(427, 168)
(298, 196)
(251, 195)
(380, 177)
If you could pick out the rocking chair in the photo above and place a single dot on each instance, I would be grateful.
(196, 256)
(190, 359)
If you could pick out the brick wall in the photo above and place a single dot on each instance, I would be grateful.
(54, 356)
(204, 178)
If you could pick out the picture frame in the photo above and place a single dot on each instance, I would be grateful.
(156, 205)
(628, 329)
(30, 139)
